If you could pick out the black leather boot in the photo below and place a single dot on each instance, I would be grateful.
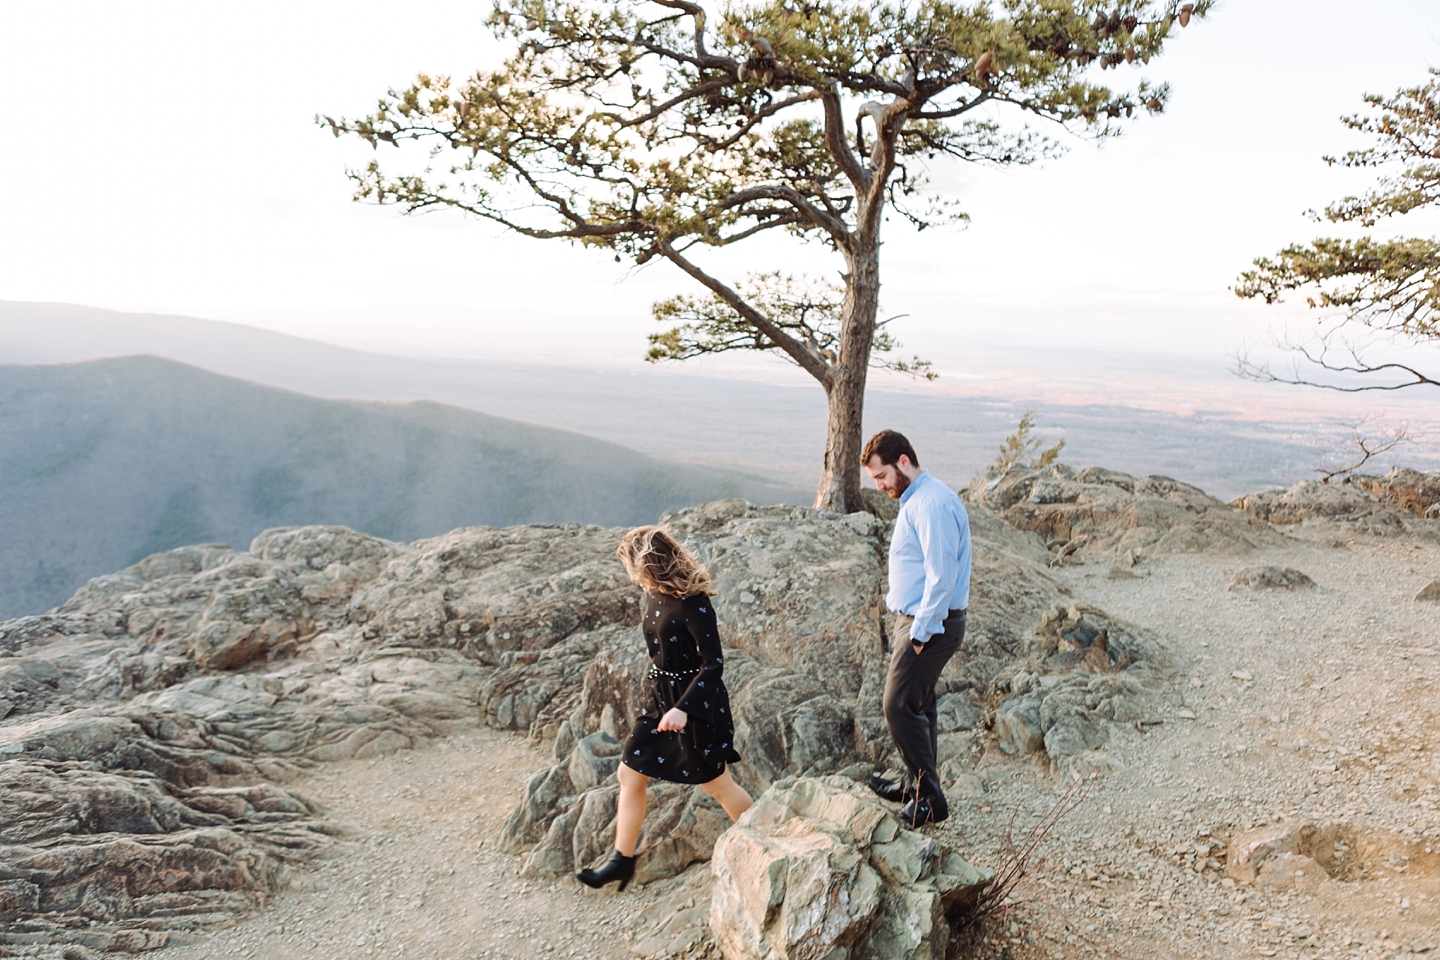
(892, 790)
(922, 810)
(618, 867)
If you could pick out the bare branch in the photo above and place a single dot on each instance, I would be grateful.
(1365, 447)
(1317, 353)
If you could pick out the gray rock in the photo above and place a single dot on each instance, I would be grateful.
(955, 712)
(18, 899)
(1053, 491)
(1264, 577)
(1431, 591)
(593, 836)
(1017, 726)
(966, 786)
(529, 821)
(819, 868)
(594, 760)
(1074, 733)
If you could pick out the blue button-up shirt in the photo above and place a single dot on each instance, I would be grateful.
(929, 556)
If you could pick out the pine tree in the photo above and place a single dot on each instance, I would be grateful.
(663, 130)
(1388, 287)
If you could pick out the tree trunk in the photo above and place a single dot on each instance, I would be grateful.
(845, 390)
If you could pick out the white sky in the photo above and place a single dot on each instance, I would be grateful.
(161, 157)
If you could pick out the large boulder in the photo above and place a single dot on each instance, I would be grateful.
(818, 868)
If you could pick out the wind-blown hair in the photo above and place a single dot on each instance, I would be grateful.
(662, 563)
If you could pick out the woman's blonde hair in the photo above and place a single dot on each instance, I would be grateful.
(662, 563)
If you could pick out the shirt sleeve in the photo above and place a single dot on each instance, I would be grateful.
(700, 698)
(939, 537)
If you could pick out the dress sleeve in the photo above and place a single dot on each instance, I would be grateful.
(700, 699)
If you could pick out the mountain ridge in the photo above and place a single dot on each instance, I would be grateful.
(111, 460)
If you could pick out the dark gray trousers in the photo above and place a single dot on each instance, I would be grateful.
(910, 699)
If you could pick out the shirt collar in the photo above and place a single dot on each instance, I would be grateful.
(923, 474)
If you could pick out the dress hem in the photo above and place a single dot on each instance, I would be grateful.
(692, 783)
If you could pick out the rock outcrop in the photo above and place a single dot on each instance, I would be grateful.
(1347, 508)
(820, 868)
(152, 721)
(150, 725)
(1411, 490)
(1105, 513)
(802, 608)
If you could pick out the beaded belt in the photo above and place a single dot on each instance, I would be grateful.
(657, 672)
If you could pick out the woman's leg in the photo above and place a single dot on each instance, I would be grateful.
(631, 812)
(731, 795)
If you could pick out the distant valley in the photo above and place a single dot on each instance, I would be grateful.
(107, 461)
(1185, 418)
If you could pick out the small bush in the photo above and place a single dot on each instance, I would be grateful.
(1020, 445)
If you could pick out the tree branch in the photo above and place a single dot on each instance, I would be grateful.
(832, 225)
(797, 351)
(1317, 355)
(839, 146)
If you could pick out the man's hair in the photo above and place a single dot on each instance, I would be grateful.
(888, 446)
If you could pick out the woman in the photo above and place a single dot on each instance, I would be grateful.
(684, 732)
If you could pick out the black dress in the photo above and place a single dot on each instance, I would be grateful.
(686, 663)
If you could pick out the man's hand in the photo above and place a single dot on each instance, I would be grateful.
(919, 648)
(674, 719)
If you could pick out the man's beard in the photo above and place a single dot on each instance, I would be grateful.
(902, 483)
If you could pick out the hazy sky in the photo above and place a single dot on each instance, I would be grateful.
(161, 157)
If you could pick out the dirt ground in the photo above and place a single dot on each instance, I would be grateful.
(1318, 704)
(418, 878)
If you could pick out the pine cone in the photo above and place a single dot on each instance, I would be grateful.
(1154, 105)
(1185, 13)
(1130, 23)
(1130, 55)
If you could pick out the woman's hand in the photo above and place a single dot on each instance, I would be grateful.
(674, 719)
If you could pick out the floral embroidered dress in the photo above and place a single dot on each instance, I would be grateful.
(686, 663)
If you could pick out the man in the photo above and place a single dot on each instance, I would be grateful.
(929, 591)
